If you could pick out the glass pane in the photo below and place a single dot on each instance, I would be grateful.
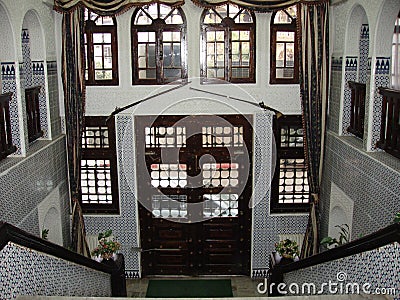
(167, 55)
(164, 11)
(98, 62)
(177, 55)
(101, 38)
(107, 63)
(244, 17)
(142, 19)
(211, 73)
(103, 75)
(174, 18)
(222, 11)
(285, 36)
(289, 54)
(151, 55)
(235, 48)
(212, 18)
(172, 73)
(235, 35)
(280, 55)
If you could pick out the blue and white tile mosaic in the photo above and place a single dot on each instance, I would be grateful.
(266, 227)
(364, 50)
(27, 272)
(365, 179)
(30, 180)
(382, 79)
(124, 226)
(335, 93)
(378, 268)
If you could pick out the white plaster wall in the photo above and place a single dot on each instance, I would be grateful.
(379, 13)
(17, 10)
(7, 47)
(103, 100)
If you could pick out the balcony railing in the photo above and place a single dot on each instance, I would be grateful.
(33, 113)
(357, 108)
(390, 122)
(6, 146)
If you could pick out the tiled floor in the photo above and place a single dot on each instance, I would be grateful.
(241, 286)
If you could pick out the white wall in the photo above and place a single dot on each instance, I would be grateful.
(17, 9)
(103, 100)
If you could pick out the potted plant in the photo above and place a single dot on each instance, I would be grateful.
(107, 246)
(286, 249)
(344, 236)
(397, 218)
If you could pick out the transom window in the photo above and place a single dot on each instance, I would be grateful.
(101, 49)
(228, 44)
(290, 189)
(158, 44)
(284, 46)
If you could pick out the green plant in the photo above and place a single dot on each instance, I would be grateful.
(344, 237)
(45, 233)
(287, 248)
(107, 245)
(397, 217)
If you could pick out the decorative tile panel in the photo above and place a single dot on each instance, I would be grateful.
(364, 50)
(266, 227)
(379, 268)
(124, 226)
(335, 93)
(381, 79)
(28, 272)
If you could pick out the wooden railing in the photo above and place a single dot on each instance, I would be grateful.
(33, 113)
(390, 122)
(6, 146)
(357, 108)
(10, 233)
(370, 242)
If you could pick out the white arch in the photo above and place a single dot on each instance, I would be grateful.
(357, 17)
(384, 28)
(36, 34)
(7, 42)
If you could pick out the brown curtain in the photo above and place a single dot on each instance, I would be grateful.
(314, 70)
(257, 5)
(74, 99)
(108, 7)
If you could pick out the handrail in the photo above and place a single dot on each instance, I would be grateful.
(375, 240)
(10, 233)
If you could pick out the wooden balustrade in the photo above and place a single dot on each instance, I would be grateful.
(390, 122)
(33, 113)
(6, 146)
(357, 108)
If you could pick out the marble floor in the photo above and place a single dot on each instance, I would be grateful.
(242, 286)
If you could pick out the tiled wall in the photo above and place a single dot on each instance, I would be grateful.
(380, 268)
(25, 182)
(371, 180)
(266, 227)
(334, 103)
(27, 272)
(125, 225)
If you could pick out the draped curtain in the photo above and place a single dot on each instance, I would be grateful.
(74, 99)
(313, 57)
(314, 77)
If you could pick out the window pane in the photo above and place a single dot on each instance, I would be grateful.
(101, 38)
(103, 75)
(285, 36)
(280, 55)
(142, 19)
(289, 54)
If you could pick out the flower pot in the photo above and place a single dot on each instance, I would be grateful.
(107, 256)
(98, 258)
(277, 257)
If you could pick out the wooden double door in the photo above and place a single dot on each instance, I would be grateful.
(194, 188)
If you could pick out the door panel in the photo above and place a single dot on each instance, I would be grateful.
(194, 186)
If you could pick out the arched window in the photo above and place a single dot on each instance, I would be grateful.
(228, 44)
(284, 47)
(158, 44)
(101, 50)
